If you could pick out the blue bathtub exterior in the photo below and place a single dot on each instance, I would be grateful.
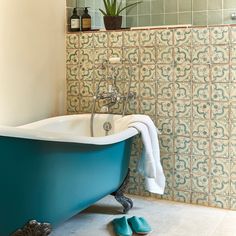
(52, 181)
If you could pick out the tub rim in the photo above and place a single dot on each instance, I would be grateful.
(29, 131)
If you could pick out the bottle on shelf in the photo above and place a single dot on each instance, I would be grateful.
(86, 20)
(74, 21)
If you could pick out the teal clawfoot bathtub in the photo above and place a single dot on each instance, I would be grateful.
(51, 170)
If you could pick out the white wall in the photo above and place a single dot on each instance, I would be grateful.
(32, 60)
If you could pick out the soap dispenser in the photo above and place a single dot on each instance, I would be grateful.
(86, 20)
(75, 21)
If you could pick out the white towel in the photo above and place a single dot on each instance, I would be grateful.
(149, 165)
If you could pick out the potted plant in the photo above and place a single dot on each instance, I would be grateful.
(112, 18)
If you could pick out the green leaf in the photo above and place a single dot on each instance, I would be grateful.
(103, 12)
(118, 9)
(128, 6)
(106, 6)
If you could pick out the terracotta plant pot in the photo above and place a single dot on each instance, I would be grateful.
(112, 22)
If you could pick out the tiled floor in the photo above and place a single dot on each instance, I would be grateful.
(166, 218)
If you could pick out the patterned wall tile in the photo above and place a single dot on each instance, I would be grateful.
(220, 110)
(219, 186)
(182, 196)
(185, 80)
(201, 146)
(100, 40)
(200, 199)
(72, 57)
(220, 129)
(164, 37)
(201, 128)
(72, 72)
(182, 37)
(201, 55)
(182, 163)
(182, 55)
(165, 125)
(131, 38)
(183, 127)
(200, 183)
(147, 38)
(182, 181)
(165, 73)
(220, 167)
(220, 92)
(148, 55)
(233, 54)
(219, 148)
(201, 36)
(201, 92)
(183, 91)
(200, 165)
(233, 34)
(72, 41)
(115, 39)
(164, 55)
(201, 73)
(220, 73)
(220, 54)
(182, 145)
(183, 73)
(219, 201)
(219, 35)
(148, 73)
(183, 109)
(165, 108)
(86, 40)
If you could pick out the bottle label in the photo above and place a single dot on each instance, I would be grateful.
(75, 24)
(86, 23)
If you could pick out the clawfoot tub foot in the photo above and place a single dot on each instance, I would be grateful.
(126, 202)
(34, 228)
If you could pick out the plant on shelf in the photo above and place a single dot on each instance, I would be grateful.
(112, 18)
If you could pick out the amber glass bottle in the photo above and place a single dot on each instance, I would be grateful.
(85, 20)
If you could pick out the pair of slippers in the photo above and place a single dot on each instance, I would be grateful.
(126, 227)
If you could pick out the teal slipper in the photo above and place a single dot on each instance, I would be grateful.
(139, 225)
(121, 227)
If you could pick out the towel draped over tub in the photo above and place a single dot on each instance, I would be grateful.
(149, 164)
